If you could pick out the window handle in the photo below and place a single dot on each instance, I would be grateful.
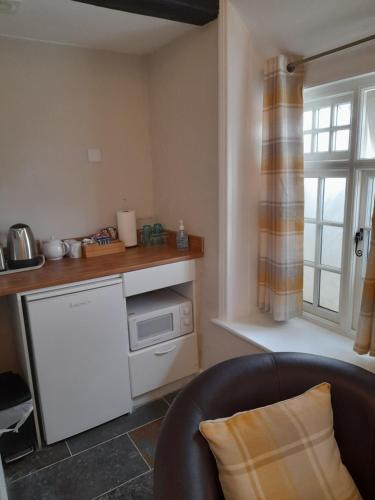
(357, 238)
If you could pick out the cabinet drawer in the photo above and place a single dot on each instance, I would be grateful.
(153, 278)
(162, 364)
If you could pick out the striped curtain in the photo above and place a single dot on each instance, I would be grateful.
(280, 270)
(365, 340)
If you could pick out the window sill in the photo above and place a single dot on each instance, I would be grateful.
(298, 335)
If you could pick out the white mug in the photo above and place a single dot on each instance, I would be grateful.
(75, 249)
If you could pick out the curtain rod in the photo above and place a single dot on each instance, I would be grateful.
(292, 65)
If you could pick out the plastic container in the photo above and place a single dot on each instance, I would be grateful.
(182, 239)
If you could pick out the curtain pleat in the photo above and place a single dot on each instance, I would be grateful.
(280, 271)
(365, 339)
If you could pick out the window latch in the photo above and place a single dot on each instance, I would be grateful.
(357, 238)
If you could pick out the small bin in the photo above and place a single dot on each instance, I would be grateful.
(17, 432)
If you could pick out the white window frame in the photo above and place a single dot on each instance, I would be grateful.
(349, 165)
(364, 176)
(313, 309)
(320, 103)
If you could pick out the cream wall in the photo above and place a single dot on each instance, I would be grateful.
(243, 73)
(184, 126)
(56, 102)
(97, 99)
(352, 62)
(184, 121)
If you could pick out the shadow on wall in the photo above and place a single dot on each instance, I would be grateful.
(8, 353)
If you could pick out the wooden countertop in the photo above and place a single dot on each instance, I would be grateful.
(67, 270)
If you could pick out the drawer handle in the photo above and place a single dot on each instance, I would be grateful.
(160, 353)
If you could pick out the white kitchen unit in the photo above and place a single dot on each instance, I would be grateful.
(79, 343)
(161, 364)
(74, 349)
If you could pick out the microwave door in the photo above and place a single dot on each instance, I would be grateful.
(152, 328)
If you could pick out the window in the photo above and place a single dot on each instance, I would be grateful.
(327, 128)
(339, 149)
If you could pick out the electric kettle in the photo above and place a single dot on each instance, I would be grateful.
(22, 249)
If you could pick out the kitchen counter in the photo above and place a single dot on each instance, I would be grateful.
(68, 270)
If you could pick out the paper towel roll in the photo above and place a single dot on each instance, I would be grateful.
(127, 227)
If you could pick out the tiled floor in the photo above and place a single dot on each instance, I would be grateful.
(111, 462)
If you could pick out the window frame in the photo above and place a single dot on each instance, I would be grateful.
(363, 175)
(314, 309)
(361, 125)
(355, 169)
(333, 101)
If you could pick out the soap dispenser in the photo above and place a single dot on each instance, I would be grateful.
(182, 240)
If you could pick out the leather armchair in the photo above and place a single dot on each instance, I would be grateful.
(184, 466)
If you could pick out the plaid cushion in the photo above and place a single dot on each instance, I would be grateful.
(285, 451)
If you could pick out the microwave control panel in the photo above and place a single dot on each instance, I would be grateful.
(186, 315)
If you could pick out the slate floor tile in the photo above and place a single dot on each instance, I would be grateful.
(146, 438)
(140, 488)
(140, 416)
(83, 476)
(170, 397)
(37, 460)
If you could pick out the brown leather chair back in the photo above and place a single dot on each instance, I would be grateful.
(184, 466)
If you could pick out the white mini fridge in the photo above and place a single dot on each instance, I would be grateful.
(79, 344)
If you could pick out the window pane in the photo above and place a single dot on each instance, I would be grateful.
(334, 199)
(307, 120)
(308, 284)
(307, 141)
(311, 197)
(324, 117)
(329, 296)
(343, 114)
(341, 140)
(332, 246)
(368, 133)
(309, 241)
(323, 142)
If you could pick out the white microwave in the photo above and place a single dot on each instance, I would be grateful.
(158, 316)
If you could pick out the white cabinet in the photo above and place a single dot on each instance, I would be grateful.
(154, 278)
(162, 364)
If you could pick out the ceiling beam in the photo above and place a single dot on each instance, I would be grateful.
(198, 12)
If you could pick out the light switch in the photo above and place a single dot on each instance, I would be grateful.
(94, 155)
